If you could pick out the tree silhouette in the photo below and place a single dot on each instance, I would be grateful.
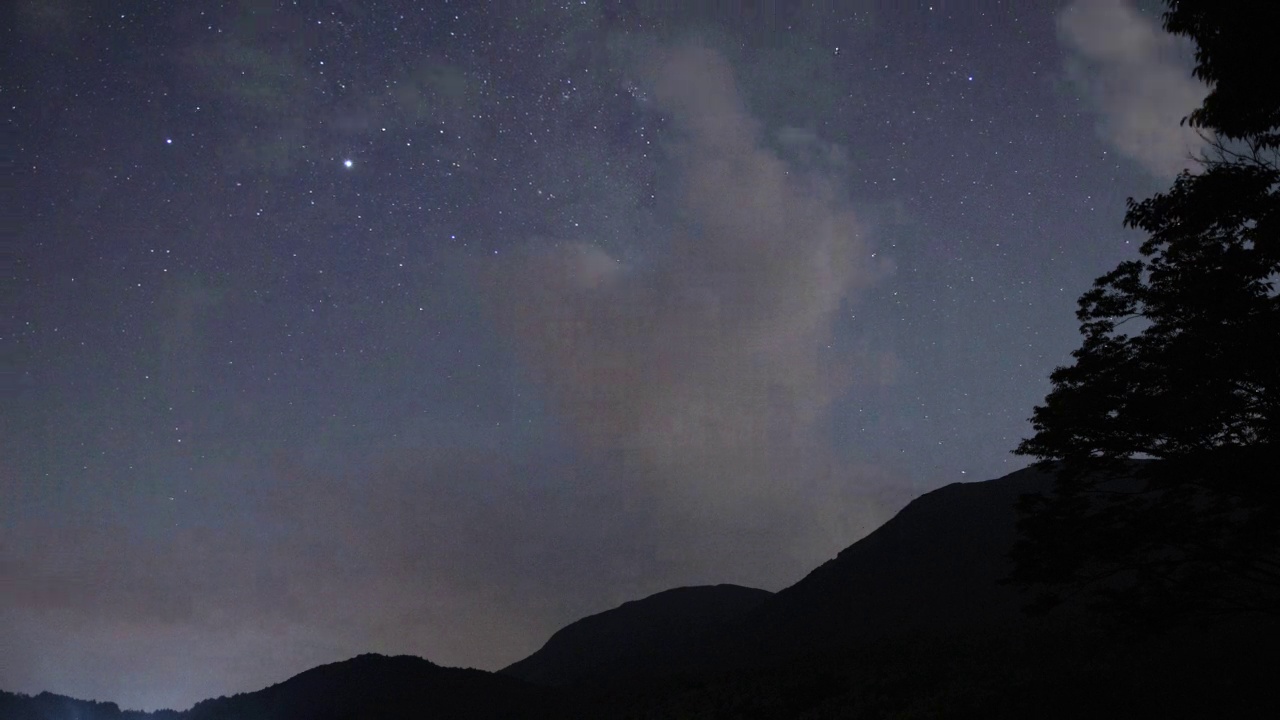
(1164, 431)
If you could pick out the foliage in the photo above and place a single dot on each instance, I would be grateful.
(1193, 388)
(1236, 49)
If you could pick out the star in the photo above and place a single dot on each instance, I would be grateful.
(347, 163)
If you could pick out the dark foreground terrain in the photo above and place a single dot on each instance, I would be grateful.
(911, 621)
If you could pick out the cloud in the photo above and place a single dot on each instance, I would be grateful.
(693, 390)
(1137, 81)
(706, 374)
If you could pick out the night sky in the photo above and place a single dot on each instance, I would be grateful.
(342, 327)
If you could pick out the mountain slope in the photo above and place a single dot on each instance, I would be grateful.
(48, 706)
(376, 686)
(934, 567)
(910, 621)
(665, 632)
(368, 687)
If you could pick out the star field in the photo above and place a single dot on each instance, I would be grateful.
(338, 328)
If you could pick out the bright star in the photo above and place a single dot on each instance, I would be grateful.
(347, 164)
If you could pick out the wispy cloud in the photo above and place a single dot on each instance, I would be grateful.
(1138, 80)
(707, 374)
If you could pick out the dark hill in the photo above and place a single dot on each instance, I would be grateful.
(388, 688)
(914, 621)
(48, 706)
(665, 632)
(910, 621)
(934, 567)
(368, 687)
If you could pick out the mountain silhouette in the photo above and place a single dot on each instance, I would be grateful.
(936, 566)
(376, 686)
(366, 687)
(663, 632)
(48, 706)
(910, 621)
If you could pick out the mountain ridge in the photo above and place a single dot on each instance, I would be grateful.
(665, 629)
(912, 619)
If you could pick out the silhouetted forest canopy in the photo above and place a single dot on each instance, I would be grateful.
(1192, 385)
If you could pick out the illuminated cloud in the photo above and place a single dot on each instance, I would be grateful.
(1135, 78)
(707, 373)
